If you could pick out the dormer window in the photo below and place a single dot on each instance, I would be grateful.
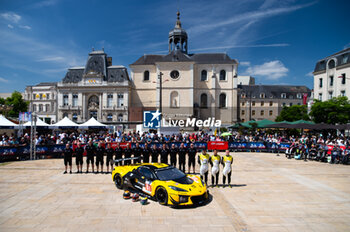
(283, 95)
(262, 95)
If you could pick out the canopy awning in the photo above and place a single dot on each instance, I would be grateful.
(64, 124)
(7, 124)
(92, 123)
(39, 123)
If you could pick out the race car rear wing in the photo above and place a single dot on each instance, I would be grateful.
(123, 159)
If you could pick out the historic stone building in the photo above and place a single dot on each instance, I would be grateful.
(258, 102)
(184, 84)
(98, 89)
(332, 76)
(43, 100)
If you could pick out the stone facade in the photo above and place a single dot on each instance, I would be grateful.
(98, 89)
(43, 100)
(332, 76)
(258, 102)
(191, 85)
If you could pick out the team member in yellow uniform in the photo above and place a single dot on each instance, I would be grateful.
(203, 160)
(227, 161)
(215, 169)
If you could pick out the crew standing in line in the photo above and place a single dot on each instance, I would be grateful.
(100, 151)
(173, 153)
(118, 154)
(68, 152)
(127, 154)
(164, 153)
(192, 158)
(109, 156)
(90, 152)
(79, 151)
(146, 151)
(155, 154)
(203, 160)
(182, 157)
(137, 153)
(215, 168)
(227, 161)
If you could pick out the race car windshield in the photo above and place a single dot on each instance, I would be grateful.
(170, 174)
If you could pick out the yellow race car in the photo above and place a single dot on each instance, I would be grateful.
(161, 182)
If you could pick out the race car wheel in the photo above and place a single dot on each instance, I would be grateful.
(118, 180)
(162, 196)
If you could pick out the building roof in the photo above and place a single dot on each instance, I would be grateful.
(274, 91)
(97, 65)
(47, 84)
(178, 56)
(342, 57)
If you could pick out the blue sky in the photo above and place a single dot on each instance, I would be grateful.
(277, 42)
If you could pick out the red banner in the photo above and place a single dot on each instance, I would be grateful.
(217, 145)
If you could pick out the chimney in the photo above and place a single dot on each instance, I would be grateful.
(109, 61)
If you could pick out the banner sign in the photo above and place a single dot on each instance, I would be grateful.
(219, 145)
(25, 116)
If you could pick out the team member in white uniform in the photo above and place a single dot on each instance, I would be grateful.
(227, 161)
(203, 160)
(215, 168)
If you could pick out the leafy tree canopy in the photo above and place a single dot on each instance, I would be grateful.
(14, 104)
(293, 113)
(335, 110)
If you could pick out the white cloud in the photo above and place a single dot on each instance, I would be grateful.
(272, 70)
(249, 16)
(11, 17)
(244, 63)
(25, 47)
(3, 80)
(51, 58)
(309, 74)
(45, 3)
(9, 26)
(25, 27)
(241, 46)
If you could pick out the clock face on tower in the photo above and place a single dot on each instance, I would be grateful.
(174, 74)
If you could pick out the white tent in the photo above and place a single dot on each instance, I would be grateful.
(39, 123)
(7, 124)
(92, 123)
(65, 123)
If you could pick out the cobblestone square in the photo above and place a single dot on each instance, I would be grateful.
(271, 193)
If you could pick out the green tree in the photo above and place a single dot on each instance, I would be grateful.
(17, 104)
(335, 110)
(293, 113)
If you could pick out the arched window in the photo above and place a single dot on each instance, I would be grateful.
(174, 99)
(222, 75)
(75, 117)
(222, 100)
(331, 64)
(65, 115)
(110, 117)
(204, 75)
(146, 75)
(120, 117)
(204, 100)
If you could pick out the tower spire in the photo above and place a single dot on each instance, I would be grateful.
(178, 22)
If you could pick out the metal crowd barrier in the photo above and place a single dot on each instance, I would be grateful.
(55, 151)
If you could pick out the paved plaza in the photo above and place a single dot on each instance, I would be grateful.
(271, 193)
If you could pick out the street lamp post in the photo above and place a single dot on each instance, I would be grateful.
(160, 76)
